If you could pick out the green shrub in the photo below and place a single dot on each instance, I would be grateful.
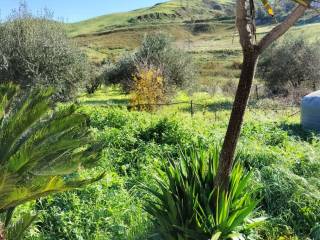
(268, 133)
(164, 131)
(122, 72)
(306, 167)
(156, 50)
(108, 118)
(258, 157)
(134, 141)
(315, 232)
(36, 51)
(40, 149)
(291, 65)
(96, 75)
(16, 230)
(189, 206)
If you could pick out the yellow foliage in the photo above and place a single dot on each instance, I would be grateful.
(148, 88)
(268, 7)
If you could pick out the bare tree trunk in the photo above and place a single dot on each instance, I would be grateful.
(250, 59)
(251, 51)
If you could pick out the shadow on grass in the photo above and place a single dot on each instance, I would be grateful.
(296, 130)
(210, 107)
(107, 102)
(220, 106)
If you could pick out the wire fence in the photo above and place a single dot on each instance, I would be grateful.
(205, 105)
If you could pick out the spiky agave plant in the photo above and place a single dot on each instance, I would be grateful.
(188, 206)
(315, 232)
(39, 147)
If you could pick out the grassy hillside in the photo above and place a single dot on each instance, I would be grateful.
(174, 11)
(196, 25)
(177, 12)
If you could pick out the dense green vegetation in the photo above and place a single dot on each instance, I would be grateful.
(188, 205)
(283, 158)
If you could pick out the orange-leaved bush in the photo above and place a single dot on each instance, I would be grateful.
(148, 88)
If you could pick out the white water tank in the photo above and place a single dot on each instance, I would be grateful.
(310, 111)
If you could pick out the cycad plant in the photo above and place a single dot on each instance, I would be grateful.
(16, 230)
(40, 148)
(188, 206)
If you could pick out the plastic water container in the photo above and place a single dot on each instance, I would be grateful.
(310, 111)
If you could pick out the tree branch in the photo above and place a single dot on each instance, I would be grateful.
(282, 28)
(244, 24)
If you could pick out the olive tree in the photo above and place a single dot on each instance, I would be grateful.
(36, 51)
(283, 69)
(157, 50)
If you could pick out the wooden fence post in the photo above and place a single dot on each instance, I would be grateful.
(257, 92)
(191, 108)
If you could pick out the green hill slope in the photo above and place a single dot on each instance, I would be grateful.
(174, 11)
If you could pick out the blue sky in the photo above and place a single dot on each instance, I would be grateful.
(76, 10)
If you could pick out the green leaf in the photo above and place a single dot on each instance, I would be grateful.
(40, 146)
(187, 205)
(236, 236)
(216, 236)
(9, 215)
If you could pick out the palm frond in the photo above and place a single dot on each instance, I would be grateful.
(39, 147)
(17, 230)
